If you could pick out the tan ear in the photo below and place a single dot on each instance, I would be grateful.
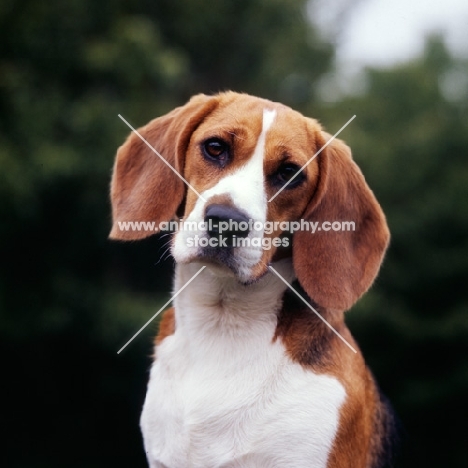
(143, 187)
(336, 267)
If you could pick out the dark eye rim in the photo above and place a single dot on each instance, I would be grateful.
(280, 181)
(223, 156)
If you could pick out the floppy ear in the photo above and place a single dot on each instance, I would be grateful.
(143, 187)
(336, 267)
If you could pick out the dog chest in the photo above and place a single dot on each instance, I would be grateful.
(246, 409)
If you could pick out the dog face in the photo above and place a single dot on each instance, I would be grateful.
(235, 153)
(237, 159)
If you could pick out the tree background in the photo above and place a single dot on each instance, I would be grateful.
(69, 298)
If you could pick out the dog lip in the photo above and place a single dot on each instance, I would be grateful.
(221, 255)
(224, 258)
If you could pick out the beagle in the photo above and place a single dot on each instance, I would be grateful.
(245, 373)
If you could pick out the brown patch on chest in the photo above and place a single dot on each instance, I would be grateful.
(166, 326)
(308, 341)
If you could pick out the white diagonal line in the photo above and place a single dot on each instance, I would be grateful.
(160, 310)
(312, 158)
(162, 159)
(311, 308)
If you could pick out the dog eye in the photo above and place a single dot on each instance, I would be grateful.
(286, 174)
(216, 149)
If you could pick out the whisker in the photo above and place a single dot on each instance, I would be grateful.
(167, 247)
(165, 255)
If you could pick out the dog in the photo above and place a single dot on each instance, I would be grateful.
(254, 365)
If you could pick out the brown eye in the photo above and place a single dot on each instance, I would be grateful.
(290, 174)
(216, 150)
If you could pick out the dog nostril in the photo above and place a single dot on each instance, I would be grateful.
(225, 221)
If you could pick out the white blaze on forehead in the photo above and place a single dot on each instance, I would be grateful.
(268, 118)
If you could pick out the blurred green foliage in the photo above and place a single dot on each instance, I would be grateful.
(69, 298)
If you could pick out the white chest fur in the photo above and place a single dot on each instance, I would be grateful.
(223, 394)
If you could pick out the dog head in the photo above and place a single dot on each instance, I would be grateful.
(224, 160)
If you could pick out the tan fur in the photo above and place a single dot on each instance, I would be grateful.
(166, 325)
(336, 268)
(143, 188)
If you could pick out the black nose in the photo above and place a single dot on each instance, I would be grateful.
(225, 221)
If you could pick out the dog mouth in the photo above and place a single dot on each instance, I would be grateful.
(223, 256)
(227, 241)
(231, 259)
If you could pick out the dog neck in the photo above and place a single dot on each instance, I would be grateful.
(216, 304)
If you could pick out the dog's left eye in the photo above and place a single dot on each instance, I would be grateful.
(216, 150)
(286, 174)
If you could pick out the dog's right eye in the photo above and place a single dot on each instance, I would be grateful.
(216, 150)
